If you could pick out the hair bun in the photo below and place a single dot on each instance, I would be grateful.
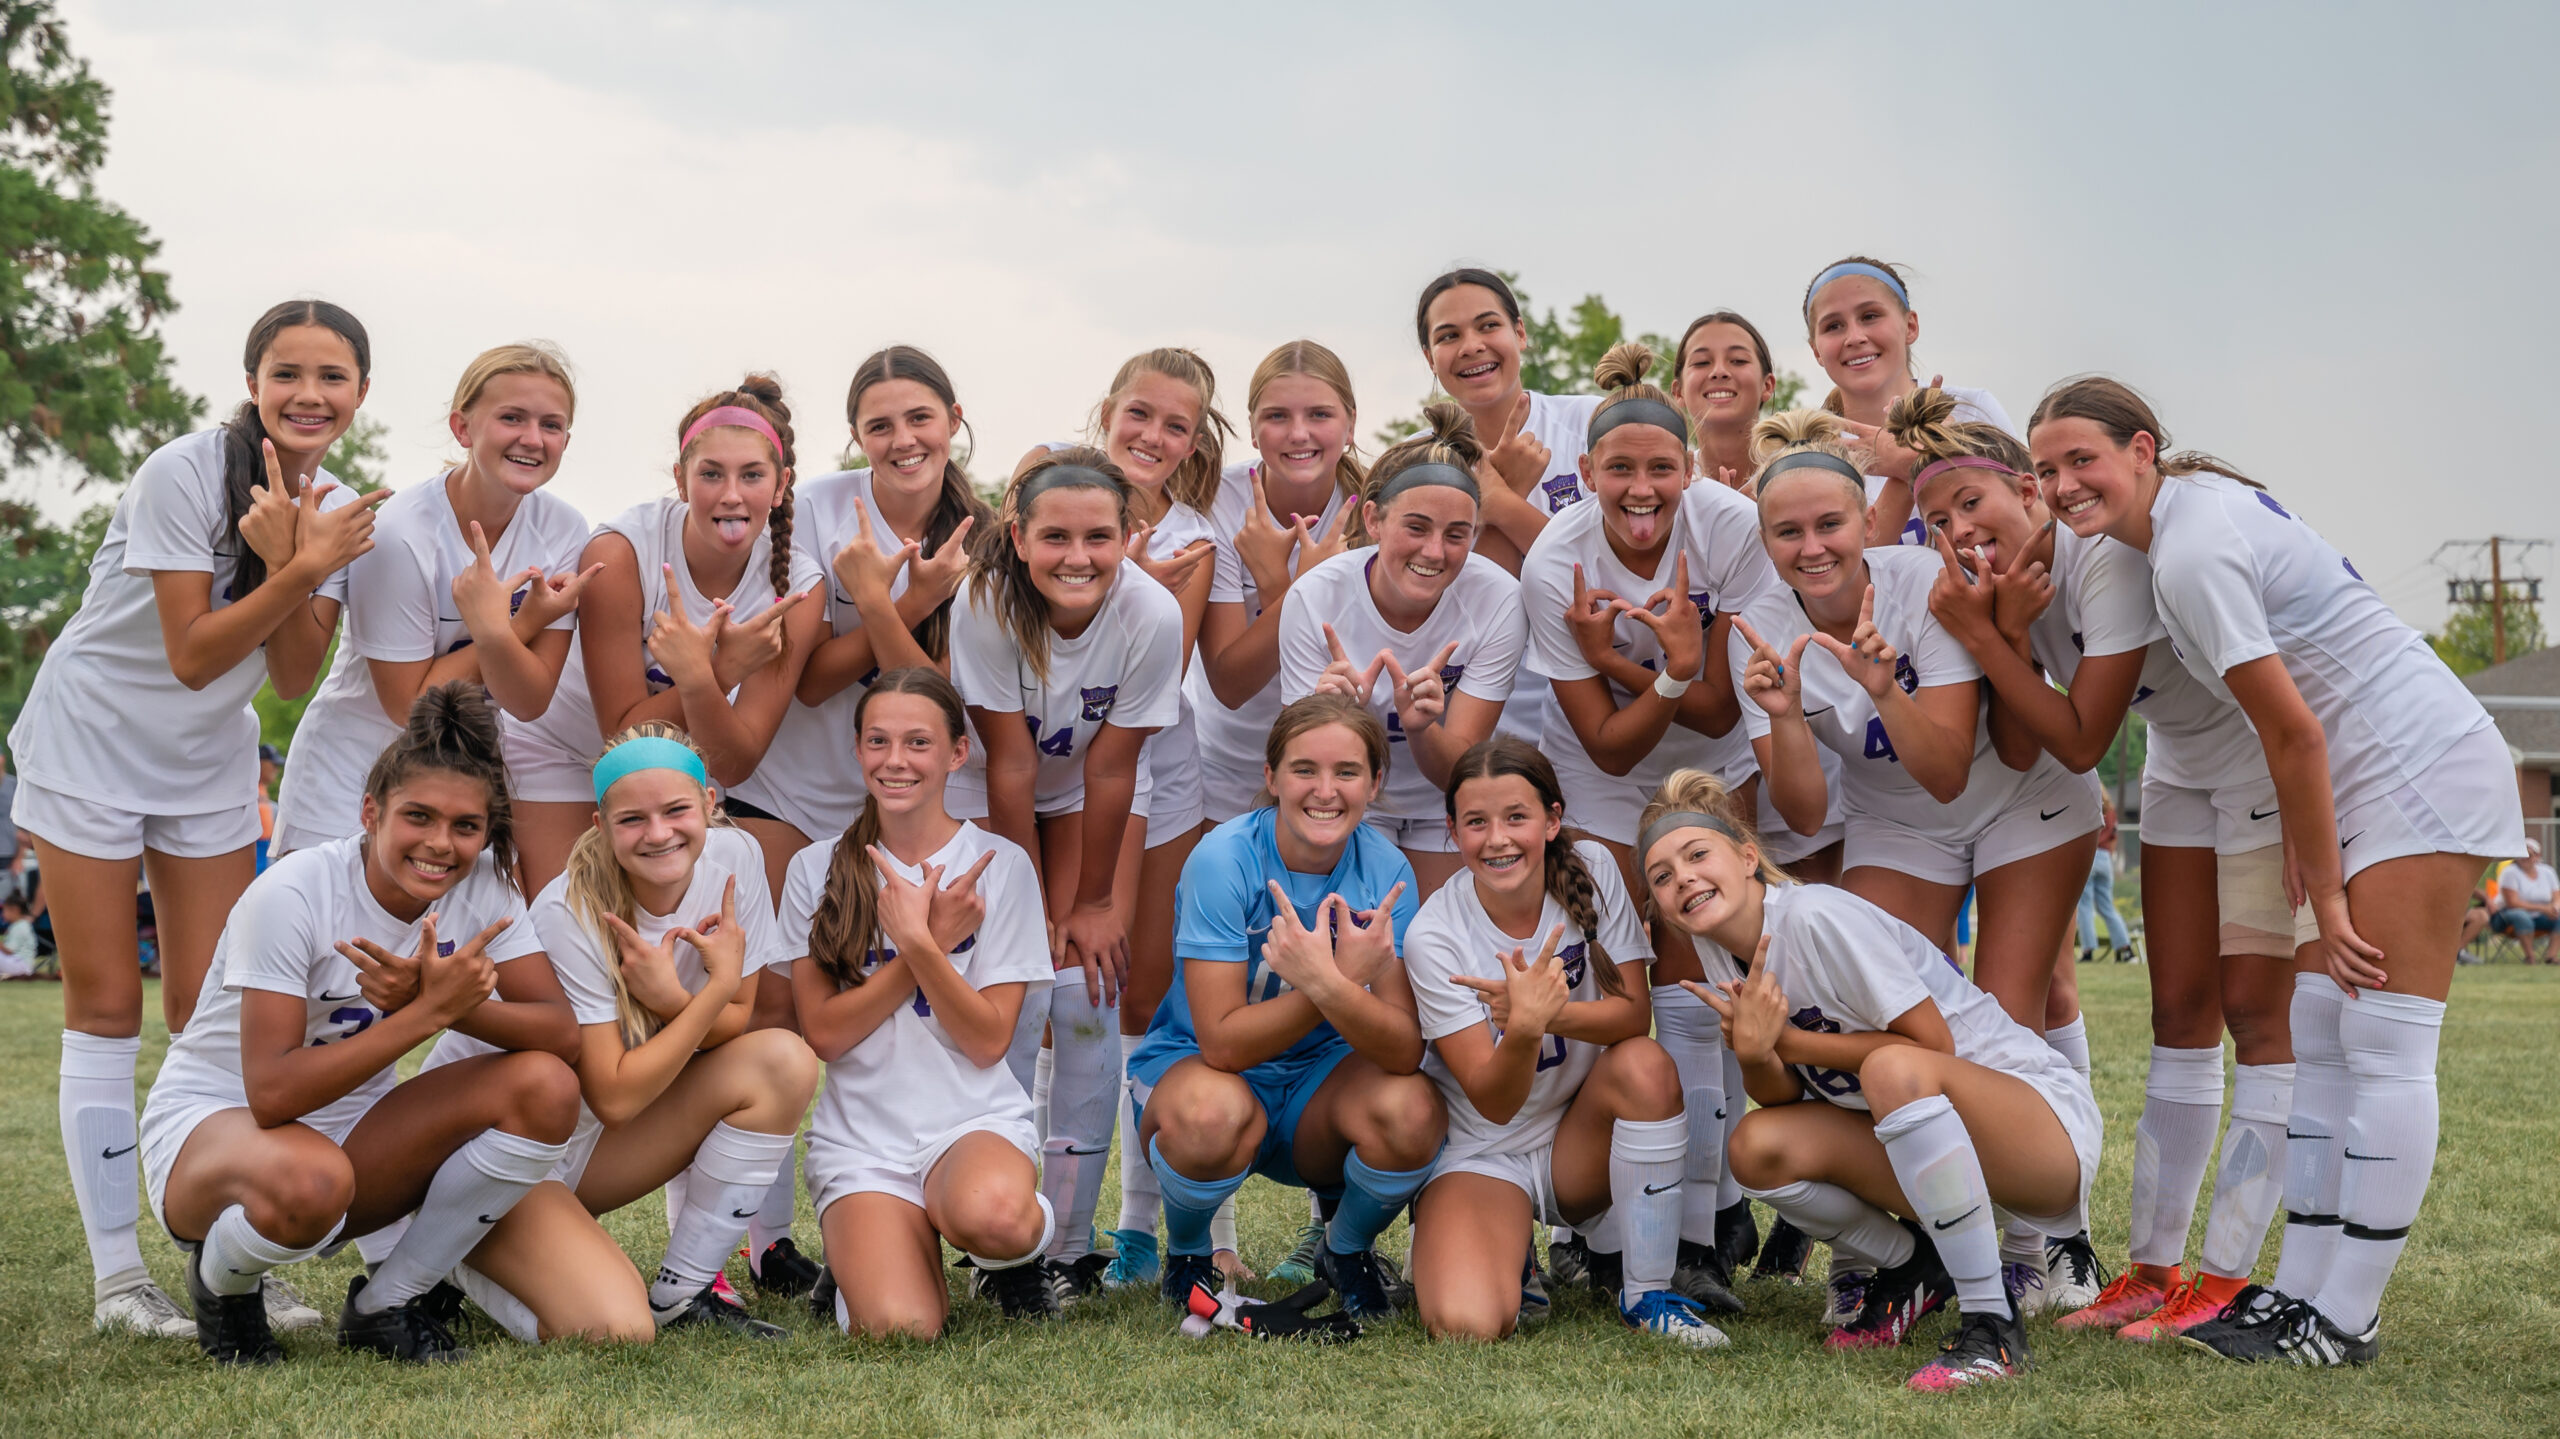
(457, 717)
(1452, 427)
(1627, 363)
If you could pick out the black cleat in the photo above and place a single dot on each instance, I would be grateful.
(1897, 1298)
(1737, 1235)
(709, 1309)
(1783, 1254)
(1985, 1347)
(442, 1304)
(406, 1333)
(230, 1328)
(822, 1298)
(1074, 1281)
(1569, 1261)
(1028, 1290)
(1607, 1273)
(2253, 1306)
(1701, 1278)
(2292, 1330)
(1360, 1282)
(1184, 1273)
(783, 1271)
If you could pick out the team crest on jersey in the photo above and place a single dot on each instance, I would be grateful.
(1098, 700)
(1905, 676)
(1706, 604)
(1577, 963)
(1449, 676)
(2143, 692)
(2079, 644)
(1561, 490)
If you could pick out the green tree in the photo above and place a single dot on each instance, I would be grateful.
(2467, 641)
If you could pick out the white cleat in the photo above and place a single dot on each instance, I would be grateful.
(285, 1309)
(145, 1310)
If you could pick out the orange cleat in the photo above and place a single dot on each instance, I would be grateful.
(2134, 1295)
(2189, 1305)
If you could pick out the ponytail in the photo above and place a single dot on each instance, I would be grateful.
(1448, 437)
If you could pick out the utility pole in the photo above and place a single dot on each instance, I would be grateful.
(2497, 605)
(2493, 594)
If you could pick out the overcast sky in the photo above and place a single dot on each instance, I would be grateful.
(2320, 237)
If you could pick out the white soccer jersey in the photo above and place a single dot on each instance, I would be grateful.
(1847, 967)
(810, 776)
(2102, 605)
(1480, 610)
(906, 1086)
(2238, 578)
(400, 608)
(1125, 669)
(1453, 936)
(655, 529)
(586, 964)
(282, 938)
(1843, 716)
(1238, 734)
(107, 720)
(1972, 407)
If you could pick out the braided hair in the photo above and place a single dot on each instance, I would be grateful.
(762, 394)
(1568, 879)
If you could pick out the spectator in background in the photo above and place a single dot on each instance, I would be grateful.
(9, 843)
(2529, 904)
(2475, 919)
(270, 766)
(2098, 896)
(17, 941)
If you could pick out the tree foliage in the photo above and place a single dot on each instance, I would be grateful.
(2467, 641)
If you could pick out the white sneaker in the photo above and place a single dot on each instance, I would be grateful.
(2073, 1277)
(285, 1309)
(143, 1309)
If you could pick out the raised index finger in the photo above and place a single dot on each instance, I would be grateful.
(1334, 642)
(1751, 636)
(1867, 609)
(1441, 660)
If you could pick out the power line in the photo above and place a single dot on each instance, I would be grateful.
(2500, 589)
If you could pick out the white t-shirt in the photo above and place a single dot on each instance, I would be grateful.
(906, 1085)
(586, 964)
(1480, 610)
(2517, 887)
(2239, 578)
(819, 788)
(2102, 605)
(107, 720)
(282, 938)
(1847, 967)
(1453, 936)
(400, 608)
(655, 529)
(1843, 716)
(1237, 735)
(1125, 670)
(1972, 407)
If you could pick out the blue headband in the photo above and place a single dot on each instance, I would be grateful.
(647, 752)
(1855, 267)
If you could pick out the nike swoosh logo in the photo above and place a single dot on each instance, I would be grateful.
(2270, 814)
(657, 1308)
(2048, 814)
(337, 998)
(1959, 1219)
(1719, 1112)
(2370, 1158)
(1071, 1149)
(1826, 709)
(2289, 1134)
(2350, 839)
(744, 1213)
(1662, 1188)
(489, 1218)
(119, 1153)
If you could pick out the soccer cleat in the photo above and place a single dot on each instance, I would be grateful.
(1023, 1291)
(230, 1328)
(1983, 1348)
(144, 1308)
(401, 1332)
(1535, 1306)
(285, 1310)
(1073, 1281)
(720, 1286)
(1300, 1267)
(1186, 1273)
(1737, 1235)
(1659, 1311)
(2191, 1303)
(1783, 1254)
(2274, 1327)
(2024, 1282)
(1896, 1298)
(1569, 1261)
(783, 1271)
(442, 1303)
(1360, 1282)
(1699, 1276)
(2130, 1297)
(1133, 1260)
(822, 1298)
(1608, 1272)
(2252, 1307)
(2073, 1277)
(710, 1309)
(1844, 1291)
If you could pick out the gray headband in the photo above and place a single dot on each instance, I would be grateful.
(1679, 819)
(1060, 477)
(1429, 472)
(1811, 459)
(1641, 410)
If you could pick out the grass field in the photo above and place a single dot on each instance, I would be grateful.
(2472, 1325)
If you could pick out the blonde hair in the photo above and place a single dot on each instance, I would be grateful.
(594, 885)
(1306, 357)
(1925, 422)
(1620, 378)
(1448, 437)
(528, 357)
(1807, 431)
(996, 568)
(1695, 789)
(1194, 482)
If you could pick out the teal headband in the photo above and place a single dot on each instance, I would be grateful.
(647, 752)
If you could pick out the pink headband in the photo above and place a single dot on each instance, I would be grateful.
(738, 415)
(1931, 471)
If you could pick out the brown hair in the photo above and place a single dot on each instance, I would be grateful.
(1695, 789)
(1194, 482)
(1569, 881)
(996, 568)
(1759, 343)
(1444, 283)
(1306, 357)
(1620, 378)
(1313, 712)
(1925, 422)
(453, 729)
(760, 394)
(1448, 437)
(2117, 408)
(959, 498)
(594, 885)
(244, 462)
(846, 927)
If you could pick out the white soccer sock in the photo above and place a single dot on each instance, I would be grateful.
(2391, 1043)
(1083, 1105)
(1860, 1234)
(2071, 1041)
(1645, 1170)
(2021, 1243)
(1141, 1203)
(2250, 1180)
(98, 1141)
(2181, 1106)
(773, 1221)
(506, 1310)
(1222, 1224)
(1691, 1033)
(731, 1172)
(473, 1189)
(2315, 1137)
(376, 1247)
(1043, 1070)
(1729, 1189)
(236, 1256)
(1933, 1160)
(1048, 1232)
(676, 1189)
